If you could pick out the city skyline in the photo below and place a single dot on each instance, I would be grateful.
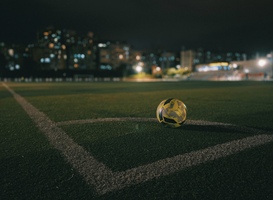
(62, 49)
(226, 26)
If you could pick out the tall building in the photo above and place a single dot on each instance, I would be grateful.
(63, 49)
(114, 55)
(187, 59)
(167, 60)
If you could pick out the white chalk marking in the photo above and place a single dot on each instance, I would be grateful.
(94, 172)
(104, 179)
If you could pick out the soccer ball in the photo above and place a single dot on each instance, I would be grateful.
(171, 112)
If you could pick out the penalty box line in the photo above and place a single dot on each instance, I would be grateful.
(104, 180)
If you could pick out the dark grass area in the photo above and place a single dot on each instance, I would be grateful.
(245, 103)
(31, 169)
(246, 175)
(138, 143)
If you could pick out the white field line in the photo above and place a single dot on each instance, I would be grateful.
(141, 119)
(94, 172)
(104, 179)
(135, 119)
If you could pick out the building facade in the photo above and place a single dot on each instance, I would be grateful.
(190, 59)
(64, 50)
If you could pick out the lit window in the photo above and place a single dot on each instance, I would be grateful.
(51, 45)
(101, 45)
(47, 60)
(105, 67)
(11, 52)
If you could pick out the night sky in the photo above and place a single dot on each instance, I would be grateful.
(234, 25)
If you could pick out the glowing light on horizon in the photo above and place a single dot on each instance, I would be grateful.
(262, 62)
(138, 68)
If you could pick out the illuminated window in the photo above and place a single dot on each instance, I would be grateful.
(137, 57)
(105, 67)
(11, 52)
(47, 60)
(51, 45)
(101, 45)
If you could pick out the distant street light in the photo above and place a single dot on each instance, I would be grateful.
(138, 68)
(262, 62)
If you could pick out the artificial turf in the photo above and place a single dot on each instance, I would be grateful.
(32, 169)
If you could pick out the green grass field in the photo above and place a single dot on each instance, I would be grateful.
(33, 168)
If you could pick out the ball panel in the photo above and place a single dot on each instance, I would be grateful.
(167, 101)
(159, 111)
(171, 112)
